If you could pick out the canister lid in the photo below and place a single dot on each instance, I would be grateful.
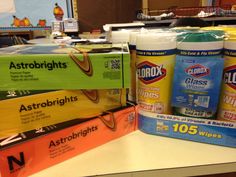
(230, 35)
(185, 29)
(201, 36)
(230, 40)
(120, 36)
(156, 41)
(223, 28)
(132, 37)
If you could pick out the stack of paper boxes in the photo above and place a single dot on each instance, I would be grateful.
(60, 101)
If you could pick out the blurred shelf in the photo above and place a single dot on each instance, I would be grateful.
(213, 20)
(26, 32)
(2, 29)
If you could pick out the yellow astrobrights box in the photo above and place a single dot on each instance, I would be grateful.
(40, 110)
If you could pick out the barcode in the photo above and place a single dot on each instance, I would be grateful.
(203, 101)
(115, 64)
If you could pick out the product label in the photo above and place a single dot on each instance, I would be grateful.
(150, 72)
(227, 107)
(195, 53)
(64, 145)
(10, 94)
(230, 52)
(156, 52)
(29, 152)
(197, 70)
(36, 65)
(63, 68)
(230, 76)
(194, 113)
(197, 82)
(40, 110)
(200, 130)
(133, 76)
(155, 72)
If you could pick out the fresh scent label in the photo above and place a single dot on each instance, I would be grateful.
(230, 52)
(199, 52)
(156, 52)
(197, 82)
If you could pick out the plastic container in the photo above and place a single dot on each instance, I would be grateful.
(227, 107)
(198, 71)
(155, 66)
(133, 60)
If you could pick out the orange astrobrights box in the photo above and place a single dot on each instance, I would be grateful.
(27, 153)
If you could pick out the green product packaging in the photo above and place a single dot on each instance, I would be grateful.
(53, 67)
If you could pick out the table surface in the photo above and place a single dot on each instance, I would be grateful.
(139, 154)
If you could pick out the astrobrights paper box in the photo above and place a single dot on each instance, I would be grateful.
(55, 67)
(9, 94)
(20, 114)
(27, 153)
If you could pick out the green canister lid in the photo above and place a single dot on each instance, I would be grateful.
(200, 36)
(184, 29)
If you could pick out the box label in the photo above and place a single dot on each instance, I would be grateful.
(71, 69)
(200, 130)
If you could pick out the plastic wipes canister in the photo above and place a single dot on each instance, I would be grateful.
(133, 59)
(121, 36)
(226, 29)
(227, 108)
(155, 66)
(197, 74)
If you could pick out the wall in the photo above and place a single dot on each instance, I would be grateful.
(33, 9)
(160, 4)
(228, 2)
(93, 14)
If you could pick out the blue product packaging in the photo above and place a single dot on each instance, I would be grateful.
(198, 71)
(199, 130)
(197, 82)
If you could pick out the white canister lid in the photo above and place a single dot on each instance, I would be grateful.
(120, 36)
(156, 41)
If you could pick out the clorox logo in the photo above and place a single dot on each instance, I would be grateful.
(150, 72)
(230, 76)
(197, 70)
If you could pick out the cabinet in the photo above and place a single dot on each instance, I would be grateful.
(159, 4)
(93, 14)
(214, 21)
